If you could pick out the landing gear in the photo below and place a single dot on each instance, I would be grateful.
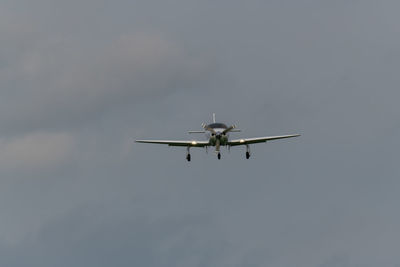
(247, 152)
(219, 155)
(188, 154)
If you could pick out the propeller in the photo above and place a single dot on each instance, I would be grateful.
(227, 130)
(217, 145)
(208, 128)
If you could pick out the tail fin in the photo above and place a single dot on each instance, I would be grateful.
(213, 117)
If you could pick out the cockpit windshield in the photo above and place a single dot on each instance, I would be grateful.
(217, 125)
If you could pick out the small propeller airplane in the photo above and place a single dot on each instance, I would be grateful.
(217, 135)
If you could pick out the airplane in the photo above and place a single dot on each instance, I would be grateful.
(217, 135)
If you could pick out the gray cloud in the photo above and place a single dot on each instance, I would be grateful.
(56, 83)
(81, 79)
(35, 150)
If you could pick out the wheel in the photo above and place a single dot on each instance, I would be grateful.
(188, 157)
(219, 155)
(247, 155)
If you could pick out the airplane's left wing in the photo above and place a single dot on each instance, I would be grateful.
(176, 143)
(246, 141)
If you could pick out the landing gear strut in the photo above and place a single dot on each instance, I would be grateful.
(188, 154)
(247, 152)
(219, 155)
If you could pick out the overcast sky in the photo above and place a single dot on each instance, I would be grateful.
(80, 80)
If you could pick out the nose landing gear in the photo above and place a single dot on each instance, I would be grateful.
(219, 155)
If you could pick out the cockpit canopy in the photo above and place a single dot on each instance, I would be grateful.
(217, 125)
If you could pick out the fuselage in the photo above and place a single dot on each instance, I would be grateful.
(217, 137)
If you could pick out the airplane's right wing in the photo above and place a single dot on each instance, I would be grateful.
(246, 141)
(176, 143)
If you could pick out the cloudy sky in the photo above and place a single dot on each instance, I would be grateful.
(80, 80)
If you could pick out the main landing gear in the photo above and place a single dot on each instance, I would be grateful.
(188, 158)
(247, 152)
